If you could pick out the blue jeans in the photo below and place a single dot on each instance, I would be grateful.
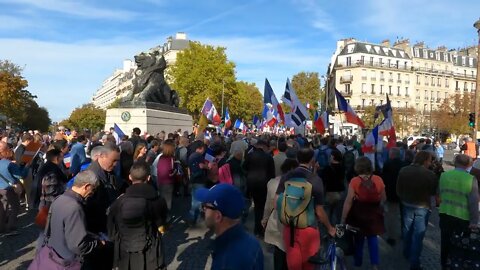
(415, 221)
(195, 208)
(372, 249)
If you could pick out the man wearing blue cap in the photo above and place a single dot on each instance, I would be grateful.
(234, 248)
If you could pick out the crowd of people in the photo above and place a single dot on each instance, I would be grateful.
(103, 202)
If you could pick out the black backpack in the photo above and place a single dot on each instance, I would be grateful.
(135, 230)
(349, 160)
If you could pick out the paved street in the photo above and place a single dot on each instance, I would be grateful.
(188, 248)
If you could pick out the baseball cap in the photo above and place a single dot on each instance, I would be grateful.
(225, 197)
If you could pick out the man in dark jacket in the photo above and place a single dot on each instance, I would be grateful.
(390, 175)
(135, 222)
(52, 176)
(96, 206)
(260, 168)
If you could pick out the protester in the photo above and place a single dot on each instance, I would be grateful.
(280, 157)
(198, 176)
(135, 222)
(10, 189)
(459, 198)
(233, 247)
(68, 235)
(363, 209)
(390, 173)
(166, 172)
(140, 153)
(78, 155)
(260, 168)
(302, 241)
(273, 227)
(415, 187)
(97, 204)
(333, 177)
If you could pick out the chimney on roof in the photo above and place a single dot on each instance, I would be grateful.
(442, 48)
(420, 44)
(386, 43)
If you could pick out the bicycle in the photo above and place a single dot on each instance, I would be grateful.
(334, 255)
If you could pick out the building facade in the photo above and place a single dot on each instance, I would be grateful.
(120, 82)
(413, 76)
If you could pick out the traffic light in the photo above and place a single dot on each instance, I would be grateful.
(471, 119)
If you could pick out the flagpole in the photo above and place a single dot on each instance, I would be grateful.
(223, 93)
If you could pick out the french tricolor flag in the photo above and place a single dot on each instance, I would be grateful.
(67, 160)
(371, 141)
(269, 97)
(350, 115)
(211, 113)
(321, 122)
(269, 116)
(228, 121)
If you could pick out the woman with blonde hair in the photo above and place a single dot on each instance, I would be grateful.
(140, 153)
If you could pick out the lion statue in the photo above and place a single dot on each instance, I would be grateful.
(149, 84)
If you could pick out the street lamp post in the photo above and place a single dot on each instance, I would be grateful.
(223, 93)
(475, 127)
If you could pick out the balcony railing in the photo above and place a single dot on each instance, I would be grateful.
(465, 89)
(378, 64)
(346, 78)
(444, 72)
(373, 78)
(457, 89)
(382, 79)
(390, 80)
(399, 81)
(364, 78)
(426, 83)
(407, 82)
(346, 93)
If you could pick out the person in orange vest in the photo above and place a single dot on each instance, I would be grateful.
(471, 150)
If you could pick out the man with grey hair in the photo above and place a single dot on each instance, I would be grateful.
(96, 206)
(458, 191)
(68, 233)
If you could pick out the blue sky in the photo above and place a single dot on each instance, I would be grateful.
(69, 47)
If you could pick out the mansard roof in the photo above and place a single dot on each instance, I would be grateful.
(375, 49)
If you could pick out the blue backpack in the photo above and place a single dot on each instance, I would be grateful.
(322, 158)
(295, 205)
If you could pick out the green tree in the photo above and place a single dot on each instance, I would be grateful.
(38, 117)
(452, 115)
(200, 72)
(13, 93)
(247, 103)
(115, 103)
(86, 117)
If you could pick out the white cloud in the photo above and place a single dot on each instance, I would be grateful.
(75, 8)
(320, 19)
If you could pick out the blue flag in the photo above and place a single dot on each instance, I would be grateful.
(117, 130)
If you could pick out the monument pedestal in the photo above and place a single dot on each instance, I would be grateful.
(150, 117)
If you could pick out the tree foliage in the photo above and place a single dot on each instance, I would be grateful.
(16, 102)
(307, 86)
(200, 72)
(452, 115)
(86, 117)
(38, 117)
(247, 103)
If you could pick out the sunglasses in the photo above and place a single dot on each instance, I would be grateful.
(207, 206)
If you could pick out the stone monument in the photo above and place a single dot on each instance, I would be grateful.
(151, 105)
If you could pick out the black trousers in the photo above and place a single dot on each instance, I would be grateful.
(449, 225)
(279, 259)
(259, 196)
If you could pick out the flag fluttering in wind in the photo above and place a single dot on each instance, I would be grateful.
(228, 121)
(299, 112)
(321, 122)
(270, 98)
(269, 116)
(371, 141)
(211, 113)
(256, 121)
(350, 115)
(239, 124)
(386, 127)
